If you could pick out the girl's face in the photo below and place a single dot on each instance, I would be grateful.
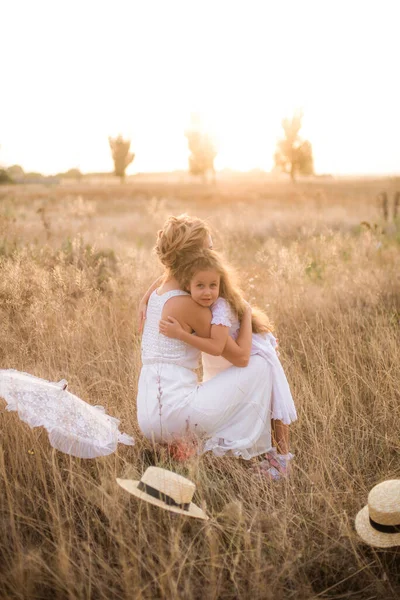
(204, 287)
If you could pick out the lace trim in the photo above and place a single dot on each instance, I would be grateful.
(220, 321)
(221, 447)
(286, 415)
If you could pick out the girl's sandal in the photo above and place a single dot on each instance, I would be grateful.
(277, 467)
(264, 469)
(268, 471)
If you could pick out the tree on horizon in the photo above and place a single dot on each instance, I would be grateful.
(16, 172)
(4, 177)
(121, 155)
(202, 149)
(73, 173)
(294, 155)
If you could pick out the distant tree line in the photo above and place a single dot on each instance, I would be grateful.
(293, 155)
(16, 174)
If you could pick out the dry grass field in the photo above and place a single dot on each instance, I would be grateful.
(74, 262)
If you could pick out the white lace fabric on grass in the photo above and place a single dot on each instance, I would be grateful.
(74, 426)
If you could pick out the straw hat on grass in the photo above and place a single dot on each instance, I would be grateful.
(165, 489)
(378, 523)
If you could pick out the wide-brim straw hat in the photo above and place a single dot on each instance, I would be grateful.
(165, 489)
(378, 523)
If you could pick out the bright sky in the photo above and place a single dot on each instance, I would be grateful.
(74, 72)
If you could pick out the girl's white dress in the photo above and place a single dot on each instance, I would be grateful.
(74, 426)
(264, 345)
(231, 412)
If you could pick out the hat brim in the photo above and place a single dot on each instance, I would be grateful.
(370, 535)
(132, 487)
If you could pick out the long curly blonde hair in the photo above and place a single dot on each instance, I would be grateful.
(180, 236)
(207, 260)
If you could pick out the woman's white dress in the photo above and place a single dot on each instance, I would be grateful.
(231, 412)
(282, 407)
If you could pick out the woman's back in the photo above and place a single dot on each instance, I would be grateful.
(157, 348)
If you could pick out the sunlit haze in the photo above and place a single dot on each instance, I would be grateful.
(74, 73)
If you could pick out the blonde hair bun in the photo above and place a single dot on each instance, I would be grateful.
(180, 235)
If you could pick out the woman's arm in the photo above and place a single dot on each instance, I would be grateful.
(142, 309)
(238, 352)
(213, 345)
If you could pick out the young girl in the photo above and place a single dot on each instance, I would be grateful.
(210, 284)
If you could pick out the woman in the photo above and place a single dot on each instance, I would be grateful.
(231, 412)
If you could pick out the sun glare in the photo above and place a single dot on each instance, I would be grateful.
(243, 67)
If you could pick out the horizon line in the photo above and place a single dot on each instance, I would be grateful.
(224, 170)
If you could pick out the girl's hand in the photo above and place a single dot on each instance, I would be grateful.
(171, 328)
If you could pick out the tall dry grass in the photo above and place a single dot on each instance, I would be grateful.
(73, 265)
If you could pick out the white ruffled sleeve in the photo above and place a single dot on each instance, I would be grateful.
(221, 313)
